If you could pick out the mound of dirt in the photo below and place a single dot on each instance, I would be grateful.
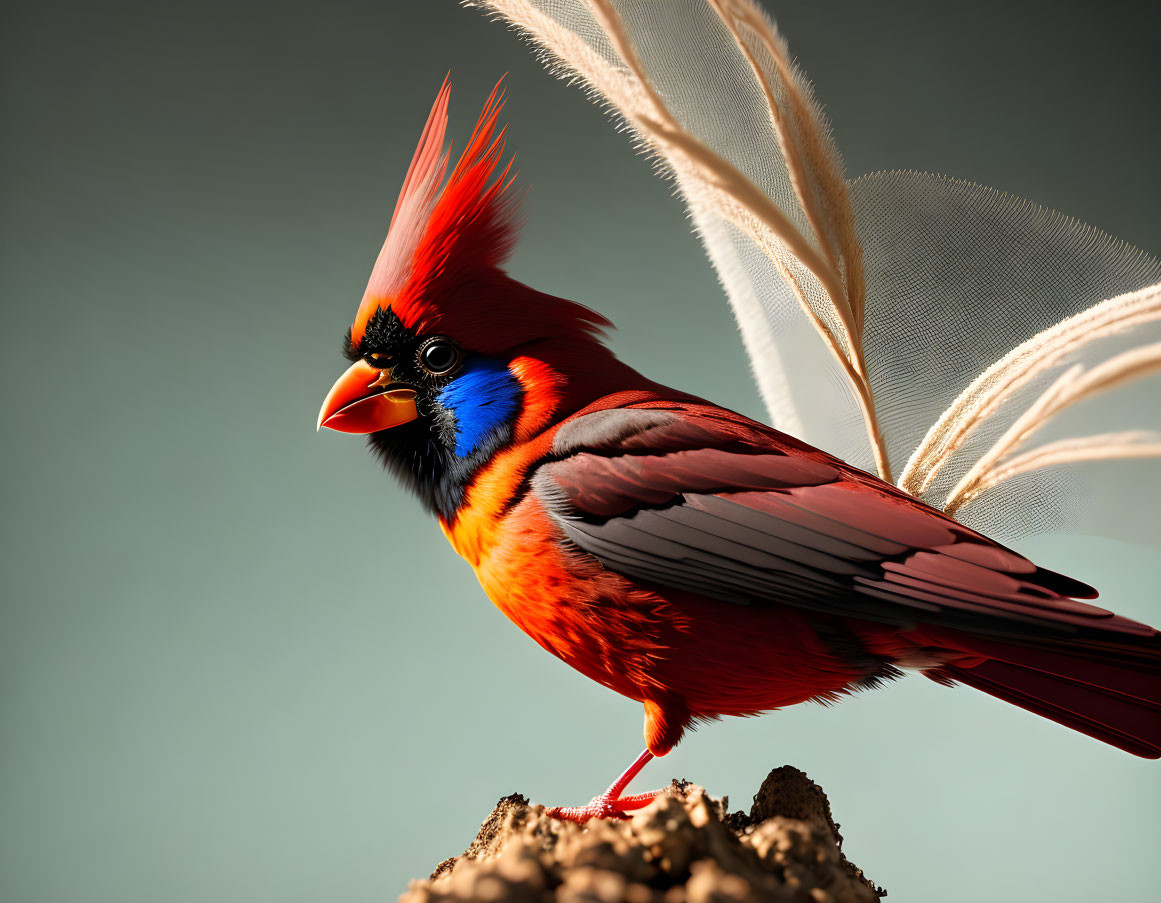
(683, 848)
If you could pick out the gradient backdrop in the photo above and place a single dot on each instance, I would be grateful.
(236, 664)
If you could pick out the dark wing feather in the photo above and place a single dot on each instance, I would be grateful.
(694, 496)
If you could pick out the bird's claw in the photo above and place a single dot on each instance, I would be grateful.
(603, 806)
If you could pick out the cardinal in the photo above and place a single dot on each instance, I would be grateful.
(683, 555)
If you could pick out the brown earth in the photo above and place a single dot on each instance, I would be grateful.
(683, 848)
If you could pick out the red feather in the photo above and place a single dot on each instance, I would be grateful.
(440, 266)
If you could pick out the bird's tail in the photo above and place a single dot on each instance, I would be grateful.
(1110, 691)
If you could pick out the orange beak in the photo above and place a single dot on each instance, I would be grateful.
(364, 400)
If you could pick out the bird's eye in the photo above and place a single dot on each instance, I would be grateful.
(378, 359)
(439, 356)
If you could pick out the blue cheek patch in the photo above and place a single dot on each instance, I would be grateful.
(483, 398)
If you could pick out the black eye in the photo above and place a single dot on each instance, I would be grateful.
(439, 356)
(377, 359)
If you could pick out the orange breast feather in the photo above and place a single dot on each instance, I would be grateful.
(589, 617)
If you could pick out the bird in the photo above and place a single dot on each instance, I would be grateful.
(683, 555)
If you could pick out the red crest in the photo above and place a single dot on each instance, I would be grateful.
(439, 268)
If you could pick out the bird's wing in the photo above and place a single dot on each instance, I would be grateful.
(696, 498)
(922, 327)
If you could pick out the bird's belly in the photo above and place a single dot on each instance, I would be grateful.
(582, 613)
(648, 642)
(744, 659)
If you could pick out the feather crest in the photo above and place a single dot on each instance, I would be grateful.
(464, 224)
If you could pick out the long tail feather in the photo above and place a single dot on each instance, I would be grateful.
(1113, 696)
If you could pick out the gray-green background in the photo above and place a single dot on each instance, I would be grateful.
(237, 664)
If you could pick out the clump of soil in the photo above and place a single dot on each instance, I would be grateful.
(683, 848)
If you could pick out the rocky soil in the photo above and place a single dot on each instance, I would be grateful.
(684, 848)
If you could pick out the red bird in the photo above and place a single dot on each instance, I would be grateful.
(679, 553)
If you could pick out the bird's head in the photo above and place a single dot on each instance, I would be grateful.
(451, 359)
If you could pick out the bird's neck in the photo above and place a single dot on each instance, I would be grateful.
(560, 379)
(555, 380)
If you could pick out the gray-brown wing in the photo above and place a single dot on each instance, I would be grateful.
(704, 500)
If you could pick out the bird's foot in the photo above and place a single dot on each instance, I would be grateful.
(610, 804)
(603, 806)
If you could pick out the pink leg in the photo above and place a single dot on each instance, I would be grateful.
(610, 804)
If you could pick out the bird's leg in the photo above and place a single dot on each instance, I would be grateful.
(610, 804)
